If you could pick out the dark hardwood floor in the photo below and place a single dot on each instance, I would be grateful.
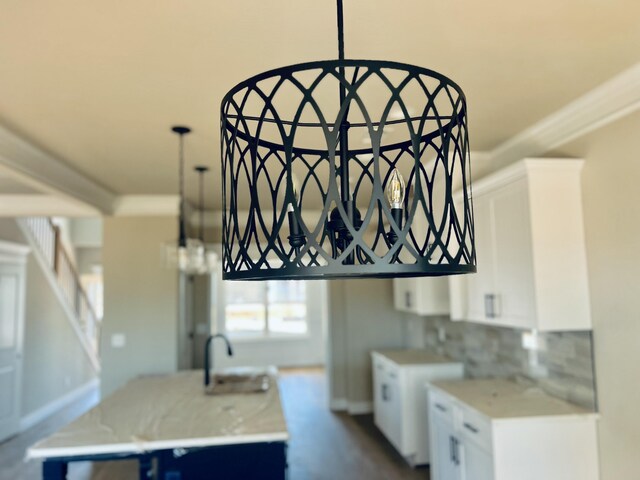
(323, 446)
(326, 445)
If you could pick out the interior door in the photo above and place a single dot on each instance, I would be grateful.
(11, 304)
(186, 324)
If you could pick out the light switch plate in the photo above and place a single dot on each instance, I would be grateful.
(118, 340)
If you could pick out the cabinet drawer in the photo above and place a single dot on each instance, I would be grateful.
(476, 428)
(441, 406)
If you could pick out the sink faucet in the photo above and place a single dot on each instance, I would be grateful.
(207, 356)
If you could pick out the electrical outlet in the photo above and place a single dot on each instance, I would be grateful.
(442, 334)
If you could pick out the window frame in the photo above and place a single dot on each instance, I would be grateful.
(266, 334)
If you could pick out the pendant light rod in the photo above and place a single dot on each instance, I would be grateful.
(201, 169)
(340, 31)
(182, 233)
(344, 126)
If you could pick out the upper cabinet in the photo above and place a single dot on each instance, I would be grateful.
(530, 248)
(422, 296)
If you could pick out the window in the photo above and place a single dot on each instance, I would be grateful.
(271, 308)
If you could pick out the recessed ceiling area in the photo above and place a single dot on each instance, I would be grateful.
(98, 84)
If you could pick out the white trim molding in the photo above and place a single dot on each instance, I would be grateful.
(360, 408)
(338, 404)
(614, 99)
(46, 205)
(44, 171)
(91, 388)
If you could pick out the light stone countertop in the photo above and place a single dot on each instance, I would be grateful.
(169, 411)
(414, 357)
(500, 399)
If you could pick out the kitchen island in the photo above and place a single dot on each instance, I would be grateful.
(174, 429)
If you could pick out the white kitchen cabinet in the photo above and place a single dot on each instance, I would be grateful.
(530, 249)
(499, 430)
(400, 408)
(421, 295)
(443, 447)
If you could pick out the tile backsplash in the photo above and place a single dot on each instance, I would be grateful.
(560, 363)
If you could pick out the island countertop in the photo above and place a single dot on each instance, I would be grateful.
(165, 412)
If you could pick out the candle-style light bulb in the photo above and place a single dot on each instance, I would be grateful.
(294, 184)
(395, 190)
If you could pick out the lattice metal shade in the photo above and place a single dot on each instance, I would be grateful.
(308, 152)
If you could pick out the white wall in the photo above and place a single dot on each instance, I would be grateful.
(611, 199)
(361, 319)
(140, 300)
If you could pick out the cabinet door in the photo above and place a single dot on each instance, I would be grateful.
(443, 449)
(480, 284)
(513, 284)
(476, 463)
(404, 294)
(394, 409)
(379, 393)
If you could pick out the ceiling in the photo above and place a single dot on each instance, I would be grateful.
(10, 185)
(98, 84)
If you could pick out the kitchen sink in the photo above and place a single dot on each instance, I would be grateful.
(233, 383)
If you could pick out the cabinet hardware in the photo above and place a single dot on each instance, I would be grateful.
(488, 305)
(407, 299)
(441, 408)
(456, 451)
(385, 392)
(452, 456)
(470, 427)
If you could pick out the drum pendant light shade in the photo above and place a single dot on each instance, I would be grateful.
(346, 168)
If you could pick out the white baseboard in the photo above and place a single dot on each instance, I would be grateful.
(338, 405)
(359, 408)
(44, 412)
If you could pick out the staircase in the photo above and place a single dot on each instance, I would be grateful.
(44, 238)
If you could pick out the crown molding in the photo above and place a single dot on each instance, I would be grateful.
(46, 172)
(614, 99)
(19, 205)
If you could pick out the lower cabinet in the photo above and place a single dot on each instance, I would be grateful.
(466, 445)
(400, 407)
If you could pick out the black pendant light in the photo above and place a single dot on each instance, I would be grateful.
(208, 260)
(182, 257)
(346, 168)
(189, 255)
